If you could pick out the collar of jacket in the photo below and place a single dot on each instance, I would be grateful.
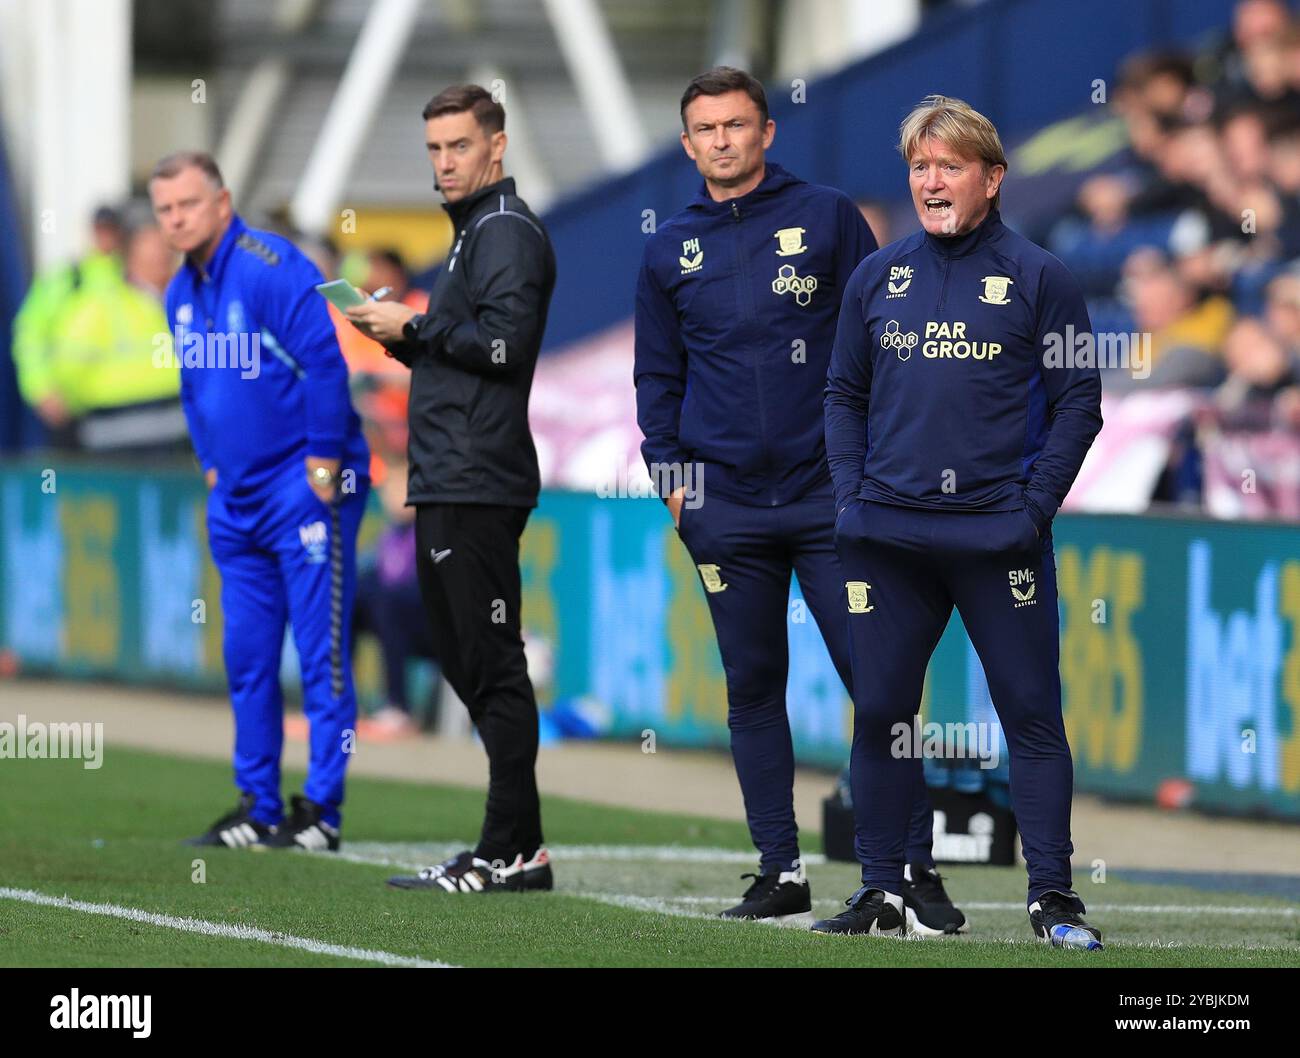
(217, 265)
(465, 207)
(961, 245)
(775, 179)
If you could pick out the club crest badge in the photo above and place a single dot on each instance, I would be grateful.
(857, 590)
(995, 290)
(790, 241)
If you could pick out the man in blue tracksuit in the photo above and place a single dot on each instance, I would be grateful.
(735, 313)
(956, 421)
(265, 391)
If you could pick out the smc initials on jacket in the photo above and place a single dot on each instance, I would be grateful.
(472, 356)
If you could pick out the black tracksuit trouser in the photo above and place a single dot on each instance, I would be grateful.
(467, 556)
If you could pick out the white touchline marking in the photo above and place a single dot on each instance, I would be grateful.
(415, 854)
(407, 853)
(220, 929)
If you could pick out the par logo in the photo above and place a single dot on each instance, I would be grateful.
(1022, 587)
(894, 337)
(788, 281)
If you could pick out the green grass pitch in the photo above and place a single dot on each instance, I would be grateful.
(631, 892)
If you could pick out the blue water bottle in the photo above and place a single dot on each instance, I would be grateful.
(1064, 936)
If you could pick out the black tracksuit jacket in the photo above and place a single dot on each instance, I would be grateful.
(473, 354)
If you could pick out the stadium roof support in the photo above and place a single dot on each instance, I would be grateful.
(259, 102)
(356, 102)
(78, 156)
(522, 159)
(600, 81)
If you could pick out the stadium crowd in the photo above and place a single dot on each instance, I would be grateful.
(1191, 236)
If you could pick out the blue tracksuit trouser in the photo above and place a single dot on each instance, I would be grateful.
(906, 569)
(283, 555)
(745, 556)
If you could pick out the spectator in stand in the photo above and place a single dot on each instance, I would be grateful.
(108, 365)
(43, 308)
(389, 604)
(1187, 329)
(1283, 310)
(390, 607)
(1253, 22)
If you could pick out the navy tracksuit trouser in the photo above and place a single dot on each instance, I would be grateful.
(906, 569)
(745, 556)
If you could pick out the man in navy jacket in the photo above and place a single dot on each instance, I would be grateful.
(954, 430)
(735, 314)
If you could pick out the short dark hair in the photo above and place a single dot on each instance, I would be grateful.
(721, 80)
(389, 256)
(458, 98)
(178, 161)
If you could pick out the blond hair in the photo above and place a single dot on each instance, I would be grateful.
(963, 128)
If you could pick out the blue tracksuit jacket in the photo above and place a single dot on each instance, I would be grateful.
(291, 401)
(735, 315)
(941, 348)
(264, 385)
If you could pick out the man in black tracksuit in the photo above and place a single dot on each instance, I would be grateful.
(473, 470)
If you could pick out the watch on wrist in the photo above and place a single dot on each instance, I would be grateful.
(411, 328)
(321, 477)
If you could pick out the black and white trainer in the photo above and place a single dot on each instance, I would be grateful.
(870, 911)
(537, 872)
(466, 873)
(304, 829)
(782, 896)
(1057, 919)
(236, 829)
(925, 903)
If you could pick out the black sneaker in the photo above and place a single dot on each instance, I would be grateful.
(466, 873)
(304, 829)
(782, 896)
(237, 829)
(1057, 919)
(537, 871)
(869, 912)
(927, 907)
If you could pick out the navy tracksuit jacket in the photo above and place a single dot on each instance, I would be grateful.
(735, 315)
(264, 385)
(953, 433)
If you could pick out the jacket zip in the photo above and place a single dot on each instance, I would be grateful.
(746, 293)
(943, 284)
